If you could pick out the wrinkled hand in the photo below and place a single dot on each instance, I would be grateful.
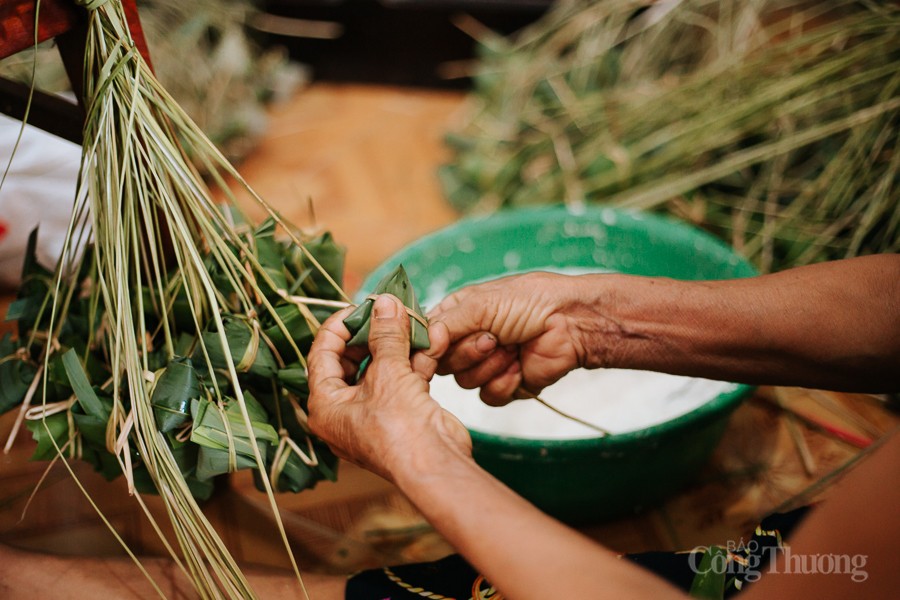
(388, 420)
(515, 334)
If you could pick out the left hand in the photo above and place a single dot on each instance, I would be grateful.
(388, 420)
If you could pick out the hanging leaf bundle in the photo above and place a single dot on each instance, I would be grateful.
(169, 344)
(773, 124)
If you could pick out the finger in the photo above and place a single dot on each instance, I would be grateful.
(353, 357)
(462, 313)
(493, 366)
(471, 350)
(425, 362)
(389, 330)
(350, 357)
(541, 368)
(447, 303)
(502, 389)
(326, 365)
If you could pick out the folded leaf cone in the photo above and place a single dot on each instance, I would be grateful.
(175, 387)
(218, 431)
(249, 353)
(397, 283)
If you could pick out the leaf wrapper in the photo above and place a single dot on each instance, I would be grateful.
(57, 430)
(175, 387)
(214, 437)
(330, 256)
(297, 326)
(709, 583)
(15, 375)
(249, 355)
(397, 283)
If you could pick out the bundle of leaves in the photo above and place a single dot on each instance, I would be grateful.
(207, 438)
(170, 340)
(773, 124)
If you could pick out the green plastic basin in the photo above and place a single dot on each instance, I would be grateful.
(593, 479)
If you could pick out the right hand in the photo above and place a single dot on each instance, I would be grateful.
(516, 335)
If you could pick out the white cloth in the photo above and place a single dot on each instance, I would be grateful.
(39, 190)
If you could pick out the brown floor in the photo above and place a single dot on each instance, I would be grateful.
(367, 158)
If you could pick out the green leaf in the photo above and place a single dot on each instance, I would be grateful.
(81, 386)
(102, 461)
(296, 324)
(270, 254)
(241, 346)
(57, 430)
(16, 375)
(214, 436)
(295, 475)
(175, 388)
(397, 283)
(93, 429)
(143, 482)
(33, 290)
(330, 256)
(709, 582)
(186, 455)
(19, 308)
(294, 379)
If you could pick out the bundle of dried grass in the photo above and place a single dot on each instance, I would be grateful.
(169, 345)
(772, 123)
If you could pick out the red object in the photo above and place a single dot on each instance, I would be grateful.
(65, 23)
(3, 230)
(57, 17)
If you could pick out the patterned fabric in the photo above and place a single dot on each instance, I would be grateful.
(746, 559)
(452, 578)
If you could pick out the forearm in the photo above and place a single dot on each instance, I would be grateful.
(521, 551)
(833, 325)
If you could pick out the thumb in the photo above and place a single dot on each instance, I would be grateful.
(389, 329)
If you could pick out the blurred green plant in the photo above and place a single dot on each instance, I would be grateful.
(773, 124)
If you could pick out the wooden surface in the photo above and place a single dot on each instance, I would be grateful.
(367, 157)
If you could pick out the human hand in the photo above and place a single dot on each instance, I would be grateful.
(387, 421)
(516, 335)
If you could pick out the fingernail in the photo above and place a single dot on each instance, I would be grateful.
(384, 308)
(485, 343)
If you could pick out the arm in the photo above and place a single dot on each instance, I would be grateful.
(389, 424)
(834, 325)
(831, 325)
(856, 524)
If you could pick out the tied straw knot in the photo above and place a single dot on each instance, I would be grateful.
(91, 4)
(286, 445)
(252, 349)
